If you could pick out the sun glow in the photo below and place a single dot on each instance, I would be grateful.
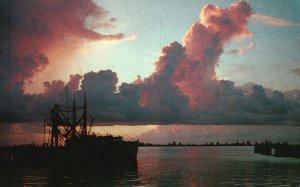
(67, 61)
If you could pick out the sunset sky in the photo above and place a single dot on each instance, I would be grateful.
(269, 55)
(232, 62)
(158, 23)
(153, 70)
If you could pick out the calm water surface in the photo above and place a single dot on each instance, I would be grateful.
(167, 166)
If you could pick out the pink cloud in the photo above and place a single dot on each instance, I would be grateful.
(296, 70)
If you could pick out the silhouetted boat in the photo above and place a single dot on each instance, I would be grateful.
(70, 140)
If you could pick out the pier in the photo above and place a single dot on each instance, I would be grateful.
(278, 149)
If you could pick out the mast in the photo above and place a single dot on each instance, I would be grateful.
(84, 124)
(74, 120)
(68, 129)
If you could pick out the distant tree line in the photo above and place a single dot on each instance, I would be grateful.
(237, 143)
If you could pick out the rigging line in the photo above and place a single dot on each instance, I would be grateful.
(96, 114)
(100, 118)
(113, 126)
(104, 129)
(124, 133)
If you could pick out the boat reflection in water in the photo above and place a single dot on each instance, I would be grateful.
(108, 173)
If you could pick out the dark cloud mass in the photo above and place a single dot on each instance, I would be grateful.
(183, 89)
(32, 31)
(36, 27)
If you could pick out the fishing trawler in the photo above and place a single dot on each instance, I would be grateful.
(71, 140)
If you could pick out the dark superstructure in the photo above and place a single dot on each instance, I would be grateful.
(70, 138)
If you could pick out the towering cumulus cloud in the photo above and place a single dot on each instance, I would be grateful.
(192, 68)
(159, 95)
(185, 87)
(204, 43)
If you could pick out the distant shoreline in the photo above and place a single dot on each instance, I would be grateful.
(211, 144)
(174, 144)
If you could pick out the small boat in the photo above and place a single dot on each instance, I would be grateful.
(70, 139)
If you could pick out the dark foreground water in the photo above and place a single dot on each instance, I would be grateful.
(166, 166)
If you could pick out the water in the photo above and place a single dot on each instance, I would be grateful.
(167, 166)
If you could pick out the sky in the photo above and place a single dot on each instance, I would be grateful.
(159, 61)
(150, 26)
